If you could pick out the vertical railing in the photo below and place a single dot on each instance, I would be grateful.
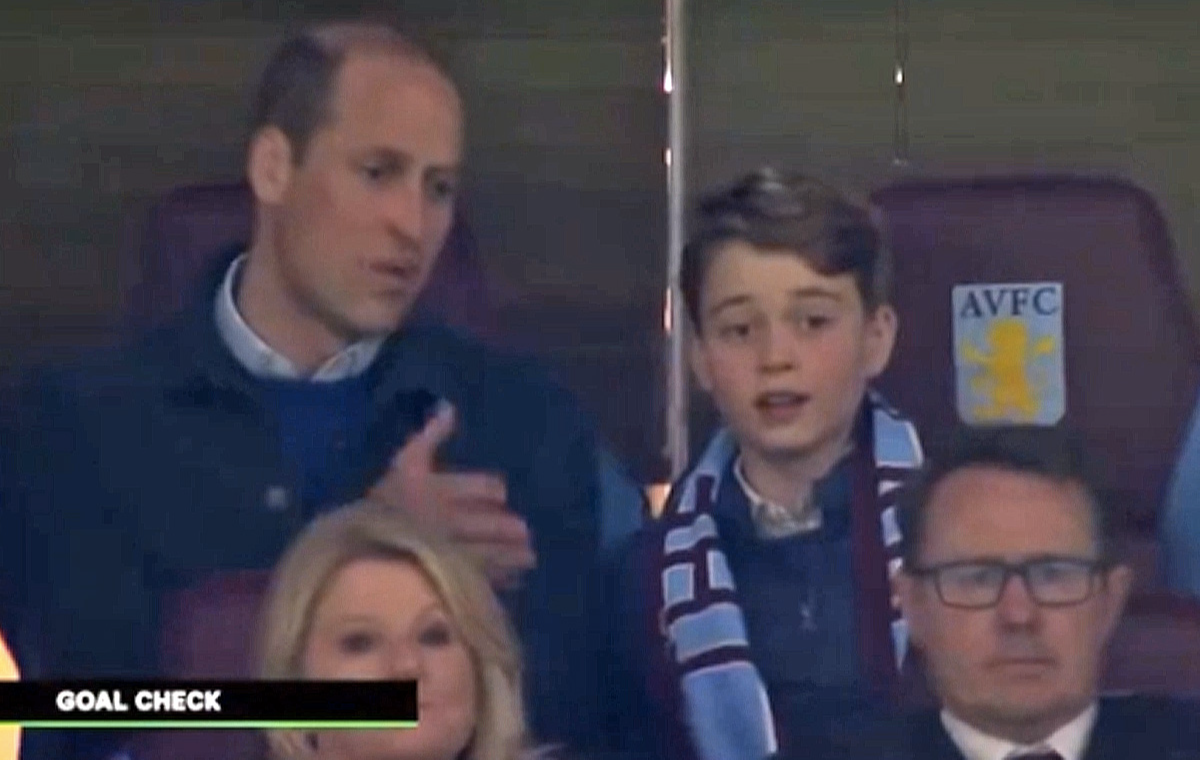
(674, 323)
(900, 145)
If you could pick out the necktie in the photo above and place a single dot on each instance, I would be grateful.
(1034, 753)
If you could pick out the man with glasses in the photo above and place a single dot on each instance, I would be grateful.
(1011, 591)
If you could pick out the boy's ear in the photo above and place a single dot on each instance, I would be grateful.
(699, 361)
(880, 339)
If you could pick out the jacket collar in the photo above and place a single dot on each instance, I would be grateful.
(197, 360)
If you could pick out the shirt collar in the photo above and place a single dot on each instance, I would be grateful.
(261, 361)
(1070, 740)
(774, 521)
(778, 521)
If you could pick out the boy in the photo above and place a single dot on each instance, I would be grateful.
(764, 587)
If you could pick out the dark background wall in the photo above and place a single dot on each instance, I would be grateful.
(994, 86)
(108, 105)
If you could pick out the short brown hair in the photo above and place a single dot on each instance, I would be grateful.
(295, 92)
(1054, 453)
(792, 213)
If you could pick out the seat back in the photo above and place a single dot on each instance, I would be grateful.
(1156, 647)
(1123, 371)
(1129, 348)
(209, 632)
(191, 226)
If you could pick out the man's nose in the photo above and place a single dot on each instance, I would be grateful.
(406, 210)
(1016, 606)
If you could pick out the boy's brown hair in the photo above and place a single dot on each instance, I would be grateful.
(794, 214)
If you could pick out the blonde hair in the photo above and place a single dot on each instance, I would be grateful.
(366, 531)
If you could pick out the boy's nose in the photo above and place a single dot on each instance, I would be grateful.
(776, 351)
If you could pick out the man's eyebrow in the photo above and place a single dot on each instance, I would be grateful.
(404, 158)
(385, 151)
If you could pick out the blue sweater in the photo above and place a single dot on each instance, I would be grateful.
(319, 423)
(809, 661)
(797, 593)
(146, 468)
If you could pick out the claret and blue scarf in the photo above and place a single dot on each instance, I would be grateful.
(724, 699)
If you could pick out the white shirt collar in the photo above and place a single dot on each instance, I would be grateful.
(264, 362)
(1070, 740)
(777, 521)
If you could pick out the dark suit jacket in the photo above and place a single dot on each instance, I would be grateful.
(1126, 727)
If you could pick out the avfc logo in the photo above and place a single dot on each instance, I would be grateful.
(1008, 353)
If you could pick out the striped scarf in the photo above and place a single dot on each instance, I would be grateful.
(725, 699)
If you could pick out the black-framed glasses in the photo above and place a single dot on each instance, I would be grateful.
(978, 584)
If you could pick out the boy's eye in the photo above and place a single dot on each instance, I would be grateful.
(809, 321)
(735, 330)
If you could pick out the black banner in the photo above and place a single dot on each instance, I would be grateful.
(164, 704)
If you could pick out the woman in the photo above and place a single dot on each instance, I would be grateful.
(363, 595)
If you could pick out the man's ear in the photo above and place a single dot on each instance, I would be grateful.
(880, 339)
(699, 361)
(905, 593)
(269, 165)
(1117, 586)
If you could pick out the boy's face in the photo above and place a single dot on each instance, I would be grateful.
(786, 352)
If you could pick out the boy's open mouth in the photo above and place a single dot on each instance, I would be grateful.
(780, 404)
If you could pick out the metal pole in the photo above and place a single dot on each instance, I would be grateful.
(674, 321)
(900, 80)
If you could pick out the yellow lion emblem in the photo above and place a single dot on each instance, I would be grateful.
(1001, 375)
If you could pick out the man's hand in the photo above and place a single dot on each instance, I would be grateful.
(470, 509)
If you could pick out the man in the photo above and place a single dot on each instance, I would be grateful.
(299, 382)
(1012, 593)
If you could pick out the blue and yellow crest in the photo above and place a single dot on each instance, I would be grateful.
(1008, 353)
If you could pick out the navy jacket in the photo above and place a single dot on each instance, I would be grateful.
(144, 468)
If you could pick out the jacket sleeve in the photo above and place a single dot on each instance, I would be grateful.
(556, 613)
(84, 610)
(623, 506)
(637, 720)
